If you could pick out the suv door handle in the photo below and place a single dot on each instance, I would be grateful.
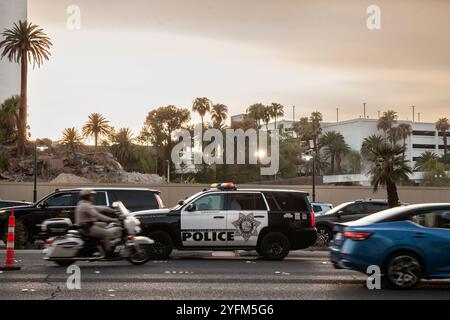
(419, 235)
(219, 217)
(259, 216)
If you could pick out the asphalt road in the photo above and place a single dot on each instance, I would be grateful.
(202, 275)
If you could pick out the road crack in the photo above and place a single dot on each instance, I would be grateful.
(56, 290)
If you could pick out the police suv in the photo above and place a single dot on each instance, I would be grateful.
(270, 221)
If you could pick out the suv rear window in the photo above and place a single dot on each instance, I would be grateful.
(134, 199)
(289, 201)
(246, 201)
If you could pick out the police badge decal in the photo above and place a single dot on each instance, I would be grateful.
(246, 226)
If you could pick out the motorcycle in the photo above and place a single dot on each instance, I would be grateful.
(65, 244)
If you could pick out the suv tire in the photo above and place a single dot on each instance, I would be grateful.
(162, 248)
(274, 246)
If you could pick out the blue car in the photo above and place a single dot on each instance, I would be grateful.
(407, 243)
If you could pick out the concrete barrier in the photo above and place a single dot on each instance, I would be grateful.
(172, 193)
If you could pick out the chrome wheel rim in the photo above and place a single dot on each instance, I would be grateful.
(404, 271)
(323, 237)
(139, 256)
(276, 248)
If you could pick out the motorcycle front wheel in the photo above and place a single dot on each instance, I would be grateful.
(140, 256)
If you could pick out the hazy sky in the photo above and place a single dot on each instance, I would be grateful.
(132, 56)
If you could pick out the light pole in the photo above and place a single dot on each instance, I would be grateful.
(168, 171)
(310, 156)
(41, 148)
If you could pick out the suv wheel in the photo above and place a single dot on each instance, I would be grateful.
(324, 236)
(274, 246)
(403, 270)
(162, 248)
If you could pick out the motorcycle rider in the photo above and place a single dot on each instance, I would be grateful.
(93, 223)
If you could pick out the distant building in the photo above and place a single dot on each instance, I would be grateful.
(237, 118)
(10, 11)
(424, 136)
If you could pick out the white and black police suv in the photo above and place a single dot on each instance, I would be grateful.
(270, 221)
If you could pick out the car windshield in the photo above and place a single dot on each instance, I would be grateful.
(178, 206)
(339, 207)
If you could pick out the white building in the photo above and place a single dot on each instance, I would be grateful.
(10, 11)
(424, 135)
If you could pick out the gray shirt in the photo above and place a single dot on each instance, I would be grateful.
(87, 212)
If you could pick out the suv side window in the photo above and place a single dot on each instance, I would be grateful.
(373, 207)
(433, 219)
(60, 200)
(210, 202)
(271, 201)
(288, 201)
(100, 198)
(246, 201)
(134, 199)
(354, 208)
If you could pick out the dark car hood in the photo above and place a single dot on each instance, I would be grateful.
(18, 208)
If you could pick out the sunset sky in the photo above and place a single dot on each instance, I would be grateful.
(132, 56)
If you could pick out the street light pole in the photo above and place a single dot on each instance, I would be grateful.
(314, 177)
(35, 173)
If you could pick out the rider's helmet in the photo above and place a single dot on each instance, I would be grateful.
(87, 194)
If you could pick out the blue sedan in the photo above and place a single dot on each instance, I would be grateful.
(407, 243)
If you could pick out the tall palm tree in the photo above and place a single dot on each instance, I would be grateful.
(403, 131)
(316, 119)
(96, 126)
(266, 115)
(423, 159)
(389, 168)
(442, 127)
(9, 117)
(370, 144)
(202, 106)
(276, 110)
(386, 122)
(122, 147)
(219, 113)
(335, 147)
(256, 112)
(72, 139)
(25, 42)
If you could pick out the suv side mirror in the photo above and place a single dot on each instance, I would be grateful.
(339, 213)
(44, 204)
(191, 207)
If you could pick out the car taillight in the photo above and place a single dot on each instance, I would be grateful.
(356, 235)
(159, 200)
(49, 241)
(313, 219)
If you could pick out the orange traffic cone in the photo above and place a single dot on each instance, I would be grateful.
(9, 261)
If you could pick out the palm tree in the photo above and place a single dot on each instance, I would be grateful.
(266, 115)
(25, 42)
(219, 113)
(316, 119)
(276, 110)
(403, 131)
(72, 139)
(256, 112)
(370, 144)
(202, 106)
(122, 147)
(386, 122)
(96, 126)
(334, 146)
(442, 127)
(389, 168)
(9, 117)
(423, 159)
